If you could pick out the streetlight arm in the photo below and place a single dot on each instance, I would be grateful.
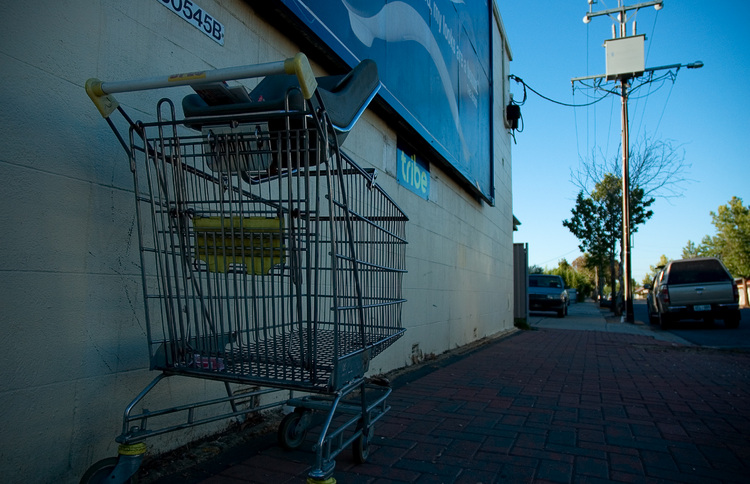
(692, 65)
(658, 4)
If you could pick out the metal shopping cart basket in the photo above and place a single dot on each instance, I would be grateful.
(268, 257)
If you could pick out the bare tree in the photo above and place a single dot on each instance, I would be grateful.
(657, 167)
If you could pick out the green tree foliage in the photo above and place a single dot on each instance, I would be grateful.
(597, 220)
(731, 243)
(536, 270)
(583, 284)
(652, 270)
(586, 267)
(691, 251)
(732, 240)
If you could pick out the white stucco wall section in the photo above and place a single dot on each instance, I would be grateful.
(73, 349)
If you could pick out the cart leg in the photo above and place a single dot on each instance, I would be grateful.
(230, 394)
(363, 412)
(322, 473)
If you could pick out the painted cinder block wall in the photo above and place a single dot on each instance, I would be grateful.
(73, 348)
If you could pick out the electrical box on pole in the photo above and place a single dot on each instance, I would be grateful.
(625, 57)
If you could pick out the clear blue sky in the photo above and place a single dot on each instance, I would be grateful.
(706, 111)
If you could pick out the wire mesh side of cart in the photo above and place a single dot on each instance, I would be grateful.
(267, 257)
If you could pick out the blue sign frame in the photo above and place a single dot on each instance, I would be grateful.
(434, 60)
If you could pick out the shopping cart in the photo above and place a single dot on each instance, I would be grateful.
(268, 257)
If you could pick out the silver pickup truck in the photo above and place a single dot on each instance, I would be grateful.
(699, 288)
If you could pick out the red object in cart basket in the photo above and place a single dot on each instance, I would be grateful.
(208, 362)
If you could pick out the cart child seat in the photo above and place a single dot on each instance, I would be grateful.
(345, 97)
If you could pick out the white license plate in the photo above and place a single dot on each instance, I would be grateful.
(702, 307)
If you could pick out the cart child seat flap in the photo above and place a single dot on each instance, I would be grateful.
(347, 98)
(344, 96)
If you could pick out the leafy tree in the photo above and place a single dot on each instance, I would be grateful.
(583, 284)
(731, 243)
(587, 268)
(691, 251)
(597, 221)
(595, 229)
(652, 270)
(536, 270)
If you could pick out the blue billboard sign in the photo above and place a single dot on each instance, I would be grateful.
(434, 61)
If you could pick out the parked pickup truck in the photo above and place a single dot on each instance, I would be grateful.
(699, 288)
(547, 293)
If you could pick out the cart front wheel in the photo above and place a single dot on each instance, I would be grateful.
(292, 430)
(361, 445)
(98, 472)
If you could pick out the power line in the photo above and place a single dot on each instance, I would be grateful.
(525, 86)
(664, 109)
(557, 259)
(648, 52)
(575, 121)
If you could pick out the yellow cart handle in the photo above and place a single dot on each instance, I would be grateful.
(101, 92)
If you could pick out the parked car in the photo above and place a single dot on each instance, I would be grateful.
(699, 288)
(547, 293)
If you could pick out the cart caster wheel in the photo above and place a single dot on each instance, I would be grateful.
(98, 472)
(361, 446)
(292, 430)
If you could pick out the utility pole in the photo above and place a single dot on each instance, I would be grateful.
(627, 291)
(625, 60)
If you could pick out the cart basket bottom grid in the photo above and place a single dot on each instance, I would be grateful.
(283, 361)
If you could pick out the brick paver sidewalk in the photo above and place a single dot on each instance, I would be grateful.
(551, 406)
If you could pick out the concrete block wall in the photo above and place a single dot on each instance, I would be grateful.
(73, 349)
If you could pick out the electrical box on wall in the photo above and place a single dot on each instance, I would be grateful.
(625, 57)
